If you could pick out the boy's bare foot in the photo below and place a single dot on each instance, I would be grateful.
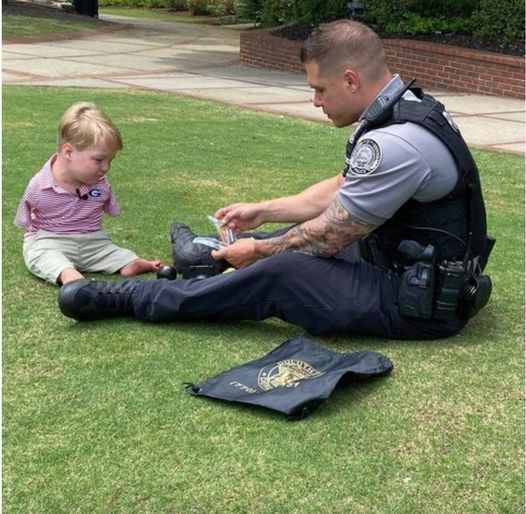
(139, 266)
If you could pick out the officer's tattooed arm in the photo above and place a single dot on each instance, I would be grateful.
(323, 236)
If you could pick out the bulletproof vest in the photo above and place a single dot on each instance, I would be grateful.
(451, 223)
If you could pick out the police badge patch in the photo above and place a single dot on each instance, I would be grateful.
(365, 158)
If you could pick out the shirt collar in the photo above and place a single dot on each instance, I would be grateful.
(48, 180)
(390, 89)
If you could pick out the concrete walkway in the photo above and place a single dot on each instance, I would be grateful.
(202, 61)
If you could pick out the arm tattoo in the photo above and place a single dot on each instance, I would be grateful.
(323, 236)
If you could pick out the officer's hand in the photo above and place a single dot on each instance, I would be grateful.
(241, 216)
(240, 254)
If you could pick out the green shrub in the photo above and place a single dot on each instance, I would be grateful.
(389, 11)
(276, 12)
(486, 18)
(178, 5)
(198, 7)
(308, 12)
(221, 7)
(313, 12)
(414, 24)
(250, 10)
(421, 17)
(503, 19)
(154, 4)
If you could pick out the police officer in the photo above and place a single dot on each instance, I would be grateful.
(408, 179)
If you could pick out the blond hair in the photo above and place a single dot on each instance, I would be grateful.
(83, 125)
(345, 44)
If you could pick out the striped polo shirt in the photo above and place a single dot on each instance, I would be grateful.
(47, 206)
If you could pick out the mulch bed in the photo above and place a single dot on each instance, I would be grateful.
(514, 47)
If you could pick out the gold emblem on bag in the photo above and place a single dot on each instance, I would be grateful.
(286, 373)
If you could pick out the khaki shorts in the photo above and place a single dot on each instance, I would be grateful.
(47, 255)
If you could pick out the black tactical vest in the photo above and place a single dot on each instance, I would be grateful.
(452, 223)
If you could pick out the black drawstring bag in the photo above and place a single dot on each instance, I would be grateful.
(294, 378)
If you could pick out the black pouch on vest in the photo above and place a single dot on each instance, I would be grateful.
(294, 378)
(417, 284)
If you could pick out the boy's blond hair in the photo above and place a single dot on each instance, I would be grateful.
(83, 125)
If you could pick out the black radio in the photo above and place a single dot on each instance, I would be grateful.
(451, 289)
(461, 292)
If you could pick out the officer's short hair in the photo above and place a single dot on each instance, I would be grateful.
(84, 124)
(345, 44)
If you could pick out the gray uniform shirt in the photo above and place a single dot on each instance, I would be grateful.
(394, 164)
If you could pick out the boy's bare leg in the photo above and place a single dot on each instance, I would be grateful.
(68, 275)
(139, 266)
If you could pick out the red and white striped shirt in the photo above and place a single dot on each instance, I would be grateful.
(47, 206)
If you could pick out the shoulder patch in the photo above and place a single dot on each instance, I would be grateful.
(366, 157)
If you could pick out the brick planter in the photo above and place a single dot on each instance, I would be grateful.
(435, 66)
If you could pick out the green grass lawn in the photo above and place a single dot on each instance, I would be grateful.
(23, 26)
(95, 417)
(16, 25)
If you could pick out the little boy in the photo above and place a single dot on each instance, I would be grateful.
(63, 204)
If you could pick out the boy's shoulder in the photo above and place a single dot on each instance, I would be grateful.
(43, 177)
(40, 179)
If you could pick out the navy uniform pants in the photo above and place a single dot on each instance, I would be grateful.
(321, 295)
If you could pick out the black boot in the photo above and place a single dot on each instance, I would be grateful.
(86, 300)
(191, 259)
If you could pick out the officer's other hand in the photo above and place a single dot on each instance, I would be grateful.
(240, 254)
(241, 216)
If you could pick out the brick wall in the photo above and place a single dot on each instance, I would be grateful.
(435, 66)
